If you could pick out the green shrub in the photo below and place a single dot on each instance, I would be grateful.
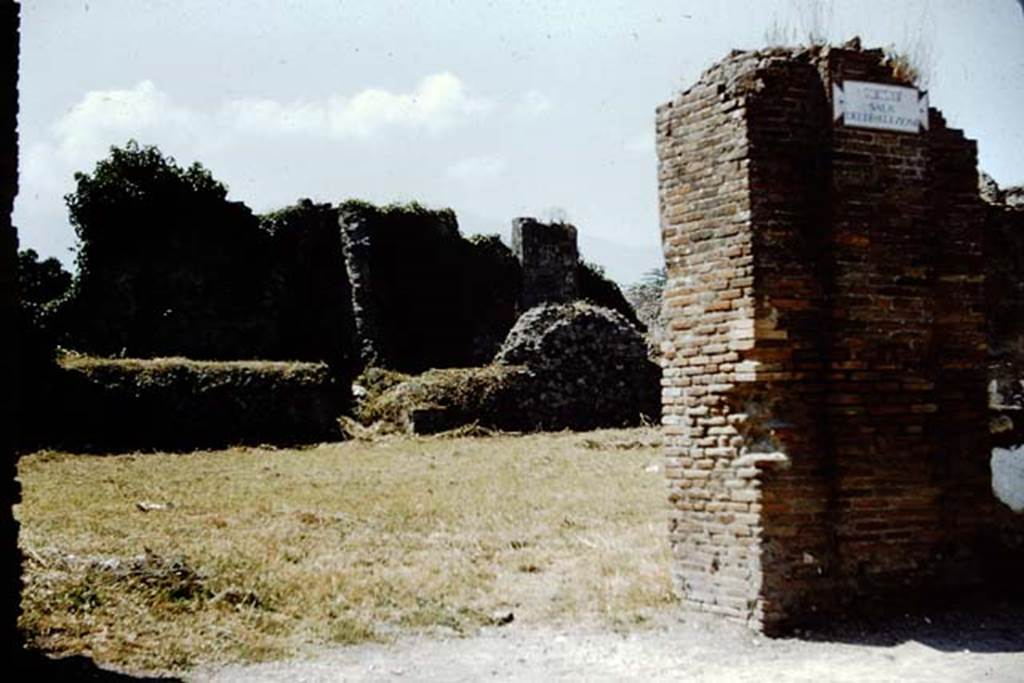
(181, 404)
(44, 288)
(41, 281)
(596, 288)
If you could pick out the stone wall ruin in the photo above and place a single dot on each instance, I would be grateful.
(825, 370)
(423, 296)
(562, 366)
(549, 256)
(1004, 291)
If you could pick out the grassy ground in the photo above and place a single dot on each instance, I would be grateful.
(164, 561)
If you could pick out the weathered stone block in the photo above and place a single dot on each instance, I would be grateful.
(548, 255)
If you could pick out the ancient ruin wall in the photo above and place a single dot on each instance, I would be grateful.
(823, 391)
(356, 236)
(1004, 285)
(10, 557)
(549, 258)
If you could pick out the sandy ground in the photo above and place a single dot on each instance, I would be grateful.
(986, 646)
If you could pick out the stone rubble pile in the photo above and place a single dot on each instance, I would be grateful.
(590, 364)
(562, 366)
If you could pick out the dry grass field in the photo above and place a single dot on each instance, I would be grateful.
(163, 562)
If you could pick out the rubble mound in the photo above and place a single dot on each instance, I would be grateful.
(562, 366)
(590, 363)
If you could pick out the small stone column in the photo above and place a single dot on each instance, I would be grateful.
(549, 258)
(356, 246)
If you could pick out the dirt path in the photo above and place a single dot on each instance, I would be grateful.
(915, 649)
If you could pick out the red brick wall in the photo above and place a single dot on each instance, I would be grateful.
(788, 123)
(824, 384)
(705, 204)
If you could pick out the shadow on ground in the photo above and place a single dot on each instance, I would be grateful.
(39, 667)
(975, 622)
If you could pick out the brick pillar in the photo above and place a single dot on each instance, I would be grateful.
(788, 123)
(10, 492)
(705, 198)
(823, 392)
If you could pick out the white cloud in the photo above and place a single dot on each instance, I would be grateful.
(36, 172)
(477, 170)
(221, 133)
(438, 102)
(533, 104)
(105, 117)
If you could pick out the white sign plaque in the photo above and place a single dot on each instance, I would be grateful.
(879, 106)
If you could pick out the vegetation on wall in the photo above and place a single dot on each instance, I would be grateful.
(168, 266)
(596, 288)
(309, 288)
(438, 299)
(177, 403)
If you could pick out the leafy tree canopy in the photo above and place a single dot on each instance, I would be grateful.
(41, 281)
(166, 264)
(132, 189)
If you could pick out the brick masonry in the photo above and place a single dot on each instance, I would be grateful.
(824, 374)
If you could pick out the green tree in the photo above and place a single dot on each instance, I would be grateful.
(41, 281)
(597, 288)
(43, 288)
(166, 264)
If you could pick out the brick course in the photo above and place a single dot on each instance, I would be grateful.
(824, 377)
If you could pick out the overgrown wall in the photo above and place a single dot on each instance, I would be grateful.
(423, 296)
(178, 404)
(824, 379)
(1004, 287)
(309, 287)
(562, 366)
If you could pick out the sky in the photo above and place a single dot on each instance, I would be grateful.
(496, 109)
